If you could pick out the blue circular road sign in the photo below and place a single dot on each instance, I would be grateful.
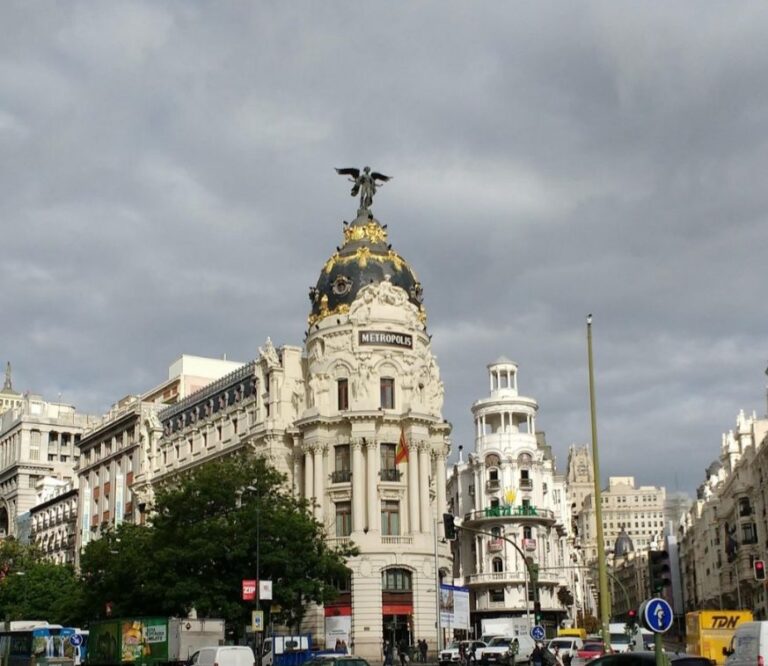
(538, 633)
(76, 639)
(657, 615)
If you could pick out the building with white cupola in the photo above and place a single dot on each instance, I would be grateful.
(511, 501)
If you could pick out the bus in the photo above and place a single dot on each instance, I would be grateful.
(32, 643)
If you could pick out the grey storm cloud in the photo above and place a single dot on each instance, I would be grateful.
(167, 187)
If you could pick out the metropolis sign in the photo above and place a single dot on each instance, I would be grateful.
(386, 339)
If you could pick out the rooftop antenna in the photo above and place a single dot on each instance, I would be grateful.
(461, 454)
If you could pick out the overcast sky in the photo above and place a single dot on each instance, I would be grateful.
(167, 187)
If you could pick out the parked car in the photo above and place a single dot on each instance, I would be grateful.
(498, 650)
(450, 655)
(336, 660)
(591, 649)
(647, 658)
(568, 646)
(223, 655)
(749, 645)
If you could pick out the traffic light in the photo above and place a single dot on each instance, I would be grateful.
(537, 612)
(631, 617)
(449, 526)
(759, 566)
(658, 571)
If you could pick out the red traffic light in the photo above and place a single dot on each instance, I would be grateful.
(632, 613)
(759, 566)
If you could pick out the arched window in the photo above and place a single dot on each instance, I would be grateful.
(497, 564)
(492, 460)
(524, 460)
(396, 580)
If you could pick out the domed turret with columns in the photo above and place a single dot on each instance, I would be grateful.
(372, 439)
(513, 506)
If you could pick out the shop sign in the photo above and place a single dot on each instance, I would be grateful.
(386, 339)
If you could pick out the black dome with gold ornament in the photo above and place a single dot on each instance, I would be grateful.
(365, 258)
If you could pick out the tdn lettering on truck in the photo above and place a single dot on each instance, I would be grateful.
(724, 621)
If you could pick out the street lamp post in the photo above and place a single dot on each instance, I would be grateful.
(604, 600)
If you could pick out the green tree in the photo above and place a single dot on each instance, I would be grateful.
(564, 596)
(31, 588)
(206, 528)
(115, 570)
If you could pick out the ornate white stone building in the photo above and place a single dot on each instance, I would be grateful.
(115, 453)
(37, 439)
(330, 416)
(725, 530)
(509, 487)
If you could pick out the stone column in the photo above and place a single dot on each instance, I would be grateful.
(371, 480)
(309, 475)
(358, 486)
(440, 481)
(413, 490)
(425, 468)
(319, 465)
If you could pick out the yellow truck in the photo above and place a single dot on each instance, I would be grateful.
(707, 632)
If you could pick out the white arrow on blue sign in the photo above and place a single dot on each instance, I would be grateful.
(657, 615)
(538, 633)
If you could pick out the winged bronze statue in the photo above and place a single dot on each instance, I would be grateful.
(365, 183)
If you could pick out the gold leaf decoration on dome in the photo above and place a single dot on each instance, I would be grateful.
(342, 308)
(375, 233)
(396, 259)
(422, 315)
(362, 256)
(331, 262)
(371, 231)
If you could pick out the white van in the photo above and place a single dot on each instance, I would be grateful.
(749, 645)
(223, 655)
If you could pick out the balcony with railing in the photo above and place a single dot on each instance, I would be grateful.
(492, 485)
(341, 476)
(512, 577)
(390, 475)
(397, 540)
(526, 484)
(525, 513)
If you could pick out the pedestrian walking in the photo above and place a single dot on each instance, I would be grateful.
(423, 650)
(537, 655)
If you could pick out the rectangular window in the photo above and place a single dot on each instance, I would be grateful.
(343, 519)
(749, 533)
(34, 445)
(341, 472)
(387, 393)
(496, 594)
(390, 518)
(388, 467)
(342, 394)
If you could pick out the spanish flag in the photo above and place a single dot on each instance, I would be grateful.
(401, 453)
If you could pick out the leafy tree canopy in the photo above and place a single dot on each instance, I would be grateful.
(209, 527)
(31, 588)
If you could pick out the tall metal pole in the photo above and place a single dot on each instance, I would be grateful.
(605, 611)
(438, 626)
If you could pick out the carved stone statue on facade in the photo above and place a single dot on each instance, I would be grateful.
(269, 354)
(364, 183)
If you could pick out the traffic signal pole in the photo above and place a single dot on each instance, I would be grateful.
(529, 584)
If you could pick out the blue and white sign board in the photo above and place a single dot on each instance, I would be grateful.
(76, 640)
(657, 615)
(538, 633)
